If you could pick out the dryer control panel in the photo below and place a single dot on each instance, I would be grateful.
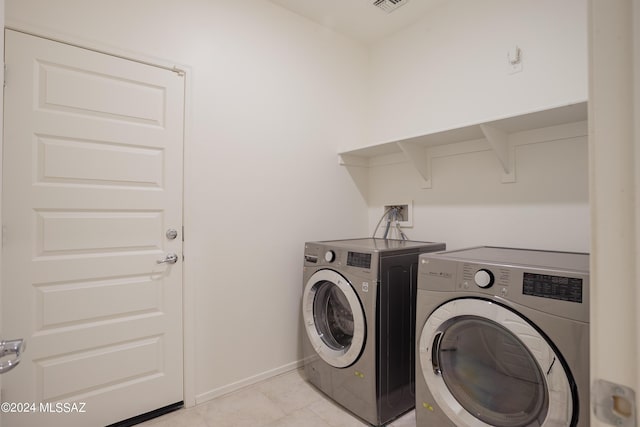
(563, 292)
(474, 273)
(554, 287)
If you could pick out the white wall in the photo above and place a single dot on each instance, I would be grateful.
(547, 208)
(449, 70)
(272, 97)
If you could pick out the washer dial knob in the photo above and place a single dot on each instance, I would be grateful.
(483, 278)
(329, 256)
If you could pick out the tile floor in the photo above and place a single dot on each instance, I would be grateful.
(286, 400)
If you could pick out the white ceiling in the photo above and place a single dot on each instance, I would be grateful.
(360, 19)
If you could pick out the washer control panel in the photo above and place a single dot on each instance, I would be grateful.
(329, 256)
(359, 259)
(320, 255)
(483, 278)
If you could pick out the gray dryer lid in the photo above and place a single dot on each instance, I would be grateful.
(576, 261)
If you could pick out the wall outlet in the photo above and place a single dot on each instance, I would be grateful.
(405, 212)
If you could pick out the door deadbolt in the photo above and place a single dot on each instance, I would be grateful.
(171, 233)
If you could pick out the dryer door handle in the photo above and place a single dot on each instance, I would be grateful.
(435, 353)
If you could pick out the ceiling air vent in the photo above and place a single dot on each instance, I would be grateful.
(389, 5)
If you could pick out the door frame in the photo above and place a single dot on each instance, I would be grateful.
(614, 193)
(188, 291)
(1, 160)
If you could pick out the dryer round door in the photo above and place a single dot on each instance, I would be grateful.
(486, 365)
(333, 318)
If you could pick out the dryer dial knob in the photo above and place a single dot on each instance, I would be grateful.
(483, 278)
(329, 256)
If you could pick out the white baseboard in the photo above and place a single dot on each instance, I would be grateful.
(221, 391)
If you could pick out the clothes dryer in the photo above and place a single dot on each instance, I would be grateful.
(503, 338)
(358, 309)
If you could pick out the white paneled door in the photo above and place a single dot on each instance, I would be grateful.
(92, 182)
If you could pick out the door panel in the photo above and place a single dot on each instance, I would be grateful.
(92, 179)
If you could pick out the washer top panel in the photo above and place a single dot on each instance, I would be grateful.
(521, 258)
(380, 245)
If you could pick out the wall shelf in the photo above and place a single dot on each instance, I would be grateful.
(500, 136)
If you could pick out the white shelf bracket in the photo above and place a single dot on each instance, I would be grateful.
(420, 159)
(499, 142)
(351, 160)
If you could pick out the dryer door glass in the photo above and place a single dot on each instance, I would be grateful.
(491, 373)
(333, 316)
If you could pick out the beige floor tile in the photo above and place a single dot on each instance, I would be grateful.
(301, 418)
(290, 391)
(407, 420)
(180, 418)
(335, 415)
(286, 400)
(245, 408)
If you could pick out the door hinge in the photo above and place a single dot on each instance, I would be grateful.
(4, 76)
(183, 233)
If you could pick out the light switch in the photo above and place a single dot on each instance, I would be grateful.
(514, 60)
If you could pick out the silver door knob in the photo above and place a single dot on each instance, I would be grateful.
(10, 347)
(170, 258)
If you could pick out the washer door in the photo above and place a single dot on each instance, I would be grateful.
(333, 318)
(485, 365)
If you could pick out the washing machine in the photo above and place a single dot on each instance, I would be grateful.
(358, 310)
(502, 338)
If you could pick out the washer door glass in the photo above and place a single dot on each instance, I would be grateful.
(486, 365)
(491, 373)
(333, 318)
